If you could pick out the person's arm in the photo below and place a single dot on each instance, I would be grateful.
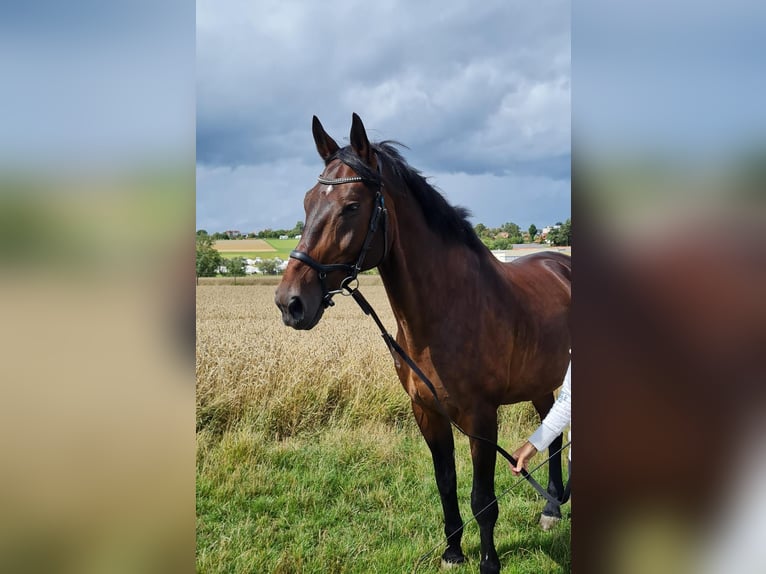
(557, 418)
(552, 426)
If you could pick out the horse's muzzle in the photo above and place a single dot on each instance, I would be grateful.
(296, 313)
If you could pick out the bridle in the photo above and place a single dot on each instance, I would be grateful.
(350, 283)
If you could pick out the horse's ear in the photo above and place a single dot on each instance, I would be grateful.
(359, 141)
(326, 146)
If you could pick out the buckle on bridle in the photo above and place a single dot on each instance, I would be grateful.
(349, 285)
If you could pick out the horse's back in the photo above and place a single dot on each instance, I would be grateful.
(542, 272)
(554, 260)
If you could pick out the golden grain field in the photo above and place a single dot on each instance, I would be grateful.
(252, 369)
(224, 245)
(278, 382)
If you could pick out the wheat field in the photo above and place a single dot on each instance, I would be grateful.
(252, 369)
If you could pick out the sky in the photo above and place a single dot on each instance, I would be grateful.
(479, 93)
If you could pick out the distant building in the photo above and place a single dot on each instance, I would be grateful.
(283, 237)
(546, 230)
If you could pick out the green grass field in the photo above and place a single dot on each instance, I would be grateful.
(309, 459)
(350, 500)
(283, 244)
(283, 248)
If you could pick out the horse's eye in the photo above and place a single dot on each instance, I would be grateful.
(350, 208)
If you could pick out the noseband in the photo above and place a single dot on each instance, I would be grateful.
(352, 269)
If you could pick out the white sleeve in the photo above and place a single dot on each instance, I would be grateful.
(557, 418)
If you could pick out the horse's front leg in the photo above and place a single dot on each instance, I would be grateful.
(438, 435)
(483, 502)
(551, 512)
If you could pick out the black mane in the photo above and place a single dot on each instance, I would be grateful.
(449, 222)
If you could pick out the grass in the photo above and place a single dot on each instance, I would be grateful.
(277, 248)
(308, 459)
(350, 500)
(282, 244)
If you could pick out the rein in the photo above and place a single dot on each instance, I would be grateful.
(346, 288)
(393, 346)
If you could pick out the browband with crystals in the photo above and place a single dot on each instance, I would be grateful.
(326, 181)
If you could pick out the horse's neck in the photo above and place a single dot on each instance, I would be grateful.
(424, 275)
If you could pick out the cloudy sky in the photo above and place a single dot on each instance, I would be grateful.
(479, 92)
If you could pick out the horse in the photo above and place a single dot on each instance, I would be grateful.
(486, 333)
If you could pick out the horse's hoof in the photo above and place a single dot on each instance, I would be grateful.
(452, 558)
(548, 522)
(489, 568)
(447, 564)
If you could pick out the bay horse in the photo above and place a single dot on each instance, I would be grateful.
(486, 333)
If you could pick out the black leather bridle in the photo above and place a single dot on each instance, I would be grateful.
(347, 285)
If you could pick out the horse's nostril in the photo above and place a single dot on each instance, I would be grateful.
(295, 308)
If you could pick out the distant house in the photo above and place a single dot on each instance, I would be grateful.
(233, 234)
(298, 236)
(546, 230)
(283, 237)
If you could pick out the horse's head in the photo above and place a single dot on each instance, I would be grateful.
(345, 229)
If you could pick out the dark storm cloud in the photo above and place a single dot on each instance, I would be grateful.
(480, 88)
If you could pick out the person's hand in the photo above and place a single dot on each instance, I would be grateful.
(522, 456)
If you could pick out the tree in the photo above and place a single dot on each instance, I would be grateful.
(201, 232)
(489, 242)
(480, 229)
(566, 231)
(511, 229)
(532, 232)
(269, 267)
(561, 235)
(235, 267)
(208, 258)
